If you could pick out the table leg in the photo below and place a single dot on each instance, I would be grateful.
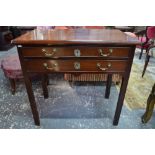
(108, 85)
(44, 85)
(31, 97)
(47, 79)
(120, 101)
(124, 85)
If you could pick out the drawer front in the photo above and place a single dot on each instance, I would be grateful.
(75, 65)
(76, 52)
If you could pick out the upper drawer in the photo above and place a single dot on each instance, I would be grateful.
(110, 52)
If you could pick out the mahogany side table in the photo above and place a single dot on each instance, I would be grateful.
(76, 51)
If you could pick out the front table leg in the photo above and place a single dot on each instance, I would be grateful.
(120, 100)
(32, 100)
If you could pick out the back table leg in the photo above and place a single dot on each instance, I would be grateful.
(108, 85)
(45, 82)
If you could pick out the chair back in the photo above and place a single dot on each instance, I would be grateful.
(151, 32)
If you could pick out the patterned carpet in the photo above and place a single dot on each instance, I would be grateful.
(80, 106)
(139, 88)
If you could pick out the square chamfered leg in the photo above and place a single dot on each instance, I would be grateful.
(32, 101)
(29, 90)
(124, 85)
(120, 101)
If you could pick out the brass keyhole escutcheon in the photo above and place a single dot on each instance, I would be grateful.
(77, 52)
(77, 65)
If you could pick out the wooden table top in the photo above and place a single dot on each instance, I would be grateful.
(75, 36)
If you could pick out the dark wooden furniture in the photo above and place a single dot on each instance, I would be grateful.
(125, 28)
(150, 106)
(76, 51)
(5, 38)
(19, 30)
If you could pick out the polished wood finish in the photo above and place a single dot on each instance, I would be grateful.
(68, 66)
(95, 57)
(76, 36)
(53, 52)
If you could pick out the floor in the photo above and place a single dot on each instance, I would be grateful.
(68, 107)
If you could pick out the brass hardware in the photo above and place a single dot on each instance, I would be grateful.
(77, 65)
(49, 68)
(105, 55)
(47, 53)
(77, 52)
(104, 69)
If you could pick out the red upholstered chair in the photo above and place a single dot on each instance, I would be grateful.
(147, 39)
(151, 36)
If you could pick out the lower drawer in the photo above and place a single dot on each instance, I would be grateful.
(75, 65)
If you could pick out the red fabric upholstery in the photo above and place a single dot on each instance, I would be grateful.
(11, 67)
(143, 40)
(151, 32)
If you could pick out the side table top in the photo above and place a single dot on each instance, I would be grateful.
(76, 36)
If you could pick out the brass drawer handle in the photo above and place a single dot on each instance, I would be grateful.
(50, 68)
(47, 53)
(105, 55)
(77, 65)
(104, 69)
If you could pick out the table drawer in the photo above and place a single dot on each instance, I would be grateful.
(76, 52)
(75, 65)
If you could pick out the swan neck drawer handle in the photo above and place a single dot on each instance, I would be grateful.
(105, 55)
(104, 69)
(48, 53)
(50, 68)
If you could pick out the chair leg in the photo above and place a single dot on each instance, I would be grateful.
(146, 64)
(141, 53)
(13, 85)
